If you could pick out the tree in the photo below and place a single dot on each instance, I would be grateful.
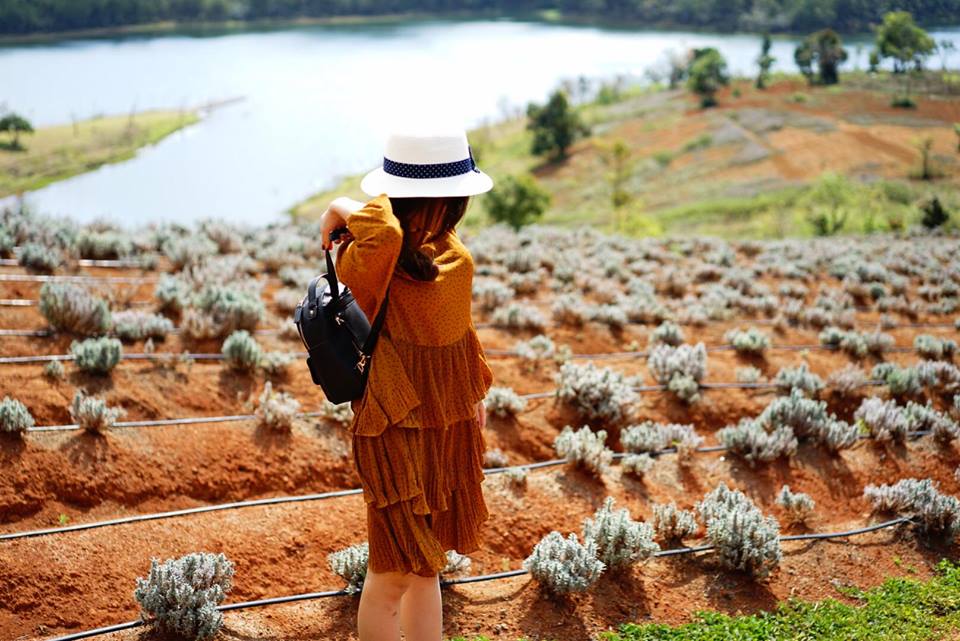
(828, 204)
(708, 72)
(15, 124)
(874, 61)
(934, 214)
(945, 48)
(956, 130)
(764, 62)
(555, 126)
(901, 39)
(803, 56)
(616, 156)
(517, 201)
(825, 50)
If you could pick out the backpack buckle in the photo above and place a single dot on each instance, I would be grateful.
(339, 319)
(362, 362)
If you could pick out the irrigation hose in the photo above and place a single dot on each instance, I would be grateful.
(328, 495)
(198, 420)
(310, 596)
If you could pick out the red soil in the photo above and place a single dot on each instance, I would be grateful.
(79, 580)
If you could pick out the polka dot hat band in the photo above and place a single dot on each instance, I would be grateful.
(427, 164)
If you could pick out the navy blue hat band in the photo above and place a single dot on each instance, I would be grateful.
(431, 170)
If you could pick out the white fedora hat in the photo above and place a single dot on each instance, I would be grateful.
(432, 164)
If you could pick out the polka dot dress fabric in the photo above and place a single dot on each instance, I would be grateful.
(417, 443)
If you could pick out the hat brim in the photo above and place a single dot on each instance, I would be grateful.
(380, 182)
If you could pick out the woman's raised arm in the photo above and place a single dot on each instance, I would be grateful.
(366, 261)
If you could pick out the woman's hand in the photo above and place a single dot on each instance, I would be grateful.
(336, 216)
(482, 414)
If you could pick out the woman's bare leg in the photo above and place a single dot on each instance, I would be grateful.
(378, 616)
(421, 610)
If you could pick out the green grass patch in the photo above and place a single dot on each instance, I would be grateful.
(59, 152)
(902, 609)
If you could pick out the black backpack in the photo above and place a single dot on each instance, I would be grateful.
(338, 336)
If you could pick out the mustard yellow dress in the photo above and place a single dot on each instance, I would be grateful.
(416, 440)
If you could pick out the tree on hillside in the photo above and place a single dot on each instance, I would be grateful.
(555, 126)
(901, 39)
(828, 204)
(616, 156)
(517, 201)
(707, 73)
(945, 48)
(764, 62)
(909, 45)
(15, 124)
(822, 49)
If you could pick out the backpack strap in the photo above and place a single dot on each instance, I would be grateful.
(371, 341)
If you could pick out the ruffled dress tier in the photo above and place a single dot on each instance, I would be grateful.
(417, 445)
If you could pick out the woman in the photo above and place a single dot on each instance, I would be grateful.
(417, 431)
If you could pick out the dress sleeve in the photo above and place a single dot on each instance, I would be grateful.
(366, 262)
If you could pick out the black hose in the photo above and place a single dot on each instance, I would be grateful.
(469, 579)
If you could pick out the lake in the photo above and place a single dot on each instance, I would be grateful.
(317, 102)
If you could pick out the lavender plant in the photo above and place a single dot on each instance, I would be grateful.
(934, 513)
(70, 308)
(596, 393)
(564, 565)
(97, 355)
(15, 418)
(584, 448)
(797, 505)
(619, 540)
(667, 333)
(350, 564)
(241, 352)
(801, 378)
(180, 596)
(681, 369)
(672, 524)
(885, 420)
(276, 411)
(934, 348)
(504, 402)
(92, 414)
(636, 464)
(133, 325)
(650, 436)
(744, 539)
(516, 316)
(752, 442)
(750, 341)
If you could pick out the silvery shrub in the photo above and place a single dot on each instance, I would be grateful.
(241, 351)
(798, 506)
(673, 524)
(564, 565)
(620, 541)
(70, 308)
(503, 402)
(97, 355)
(744, 539)
(180, 596)
(350, 564)
(597, 393)
(15, 418)
(92, 414)
(934, 513)
(276, 411)
(584, 447)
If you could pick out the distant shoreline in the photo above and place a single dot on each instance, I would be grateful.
(170, 27)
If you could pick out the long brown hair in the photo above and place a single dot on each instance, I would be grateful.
(422, 219)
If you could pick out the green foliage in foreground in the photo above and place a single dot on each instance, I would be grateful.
(901, 609)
